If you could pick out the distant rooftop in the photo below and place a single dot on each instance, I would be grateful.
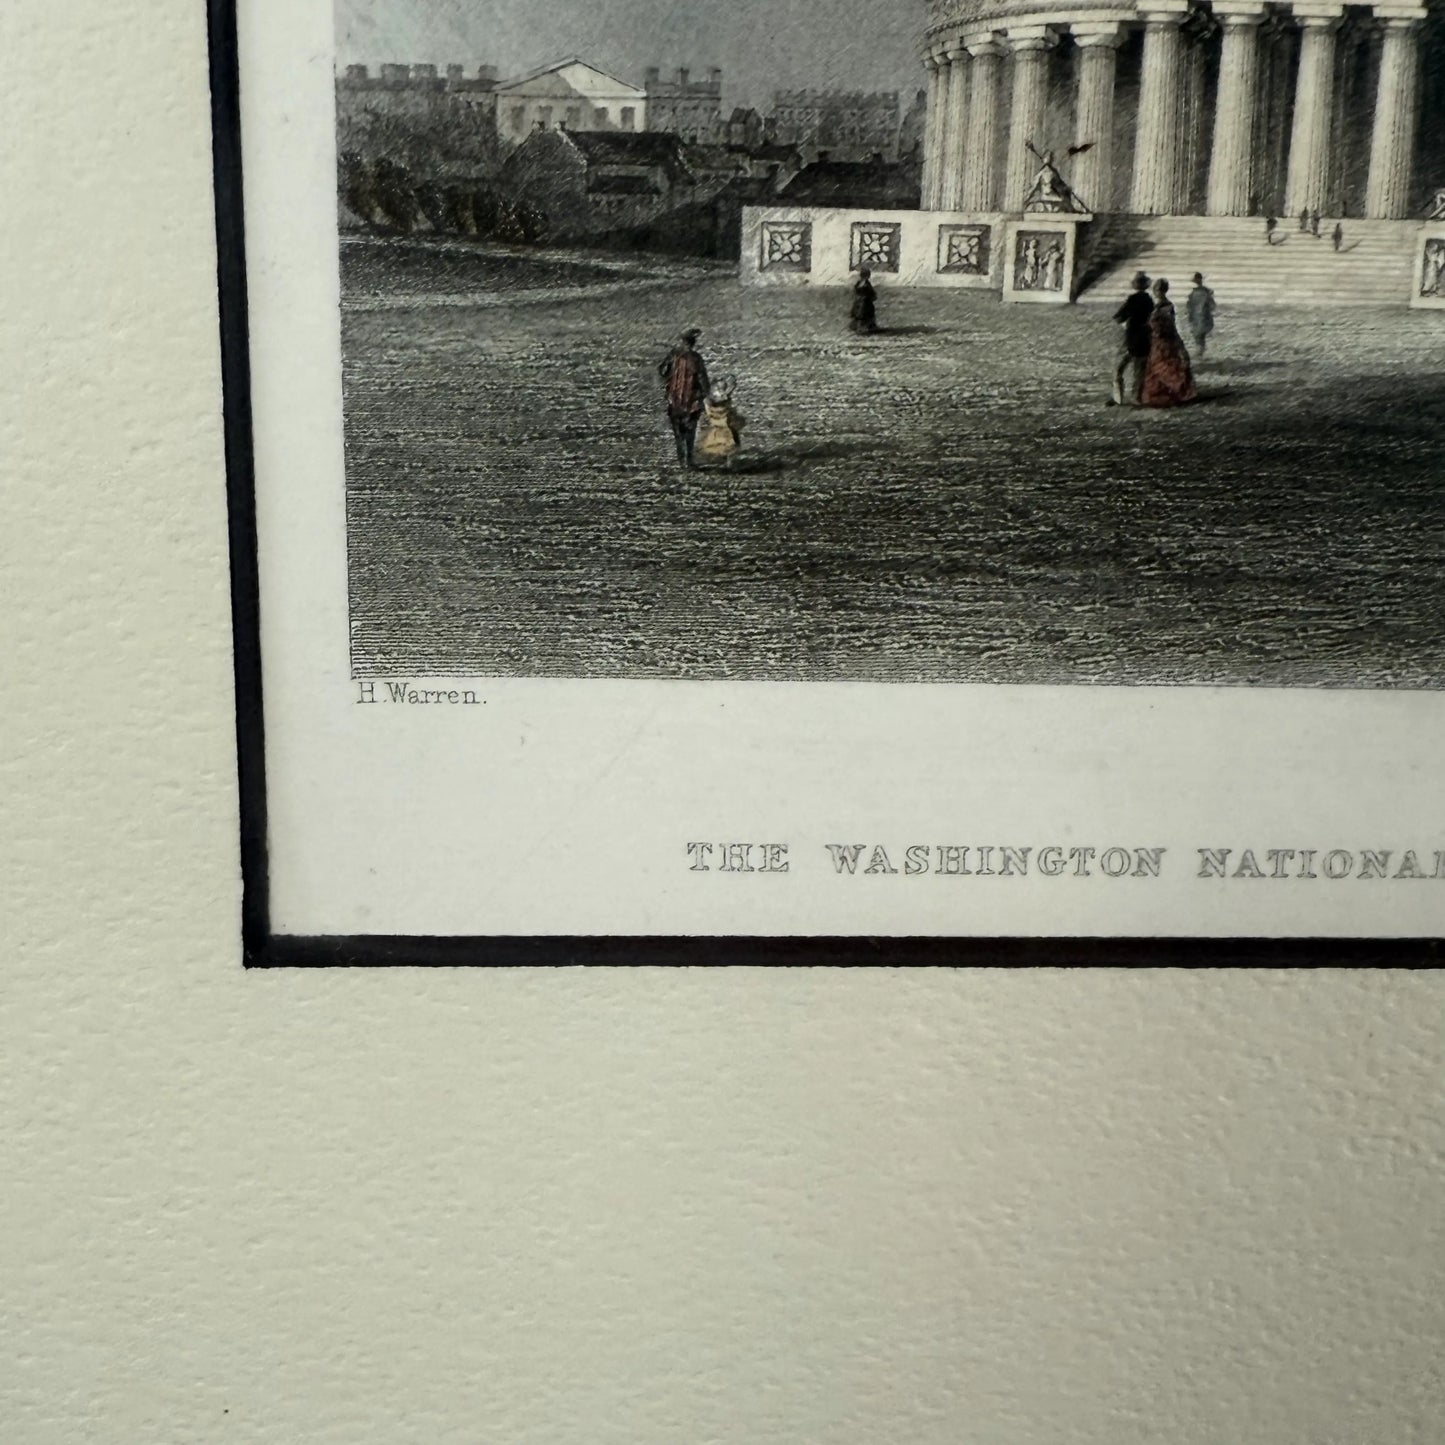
(538, 71)
(873, 182)
(626, 147)
(622, 186)
(396, 75)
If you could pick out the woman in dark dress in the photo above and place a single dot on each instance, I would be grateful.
(865, 303)
(1168, 380)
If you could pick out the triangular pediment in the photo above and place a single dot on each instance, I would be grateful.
(570, 77)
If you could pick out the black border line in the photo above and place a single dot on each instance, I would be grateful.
(256, 941)
(261, 948)
(851, 951)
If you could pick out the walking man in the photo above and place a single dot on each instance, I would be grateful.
(1133, 316)
(1270, 222)
(685, 383)
(1304, 219)
(1314, 223)
(1200, 309)
(1338, 236)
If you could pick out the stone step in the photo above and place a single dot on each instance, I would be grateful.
(1228, 293)
(1204, 259)
(1374, 268)
(1287, 225)
(1201, 258)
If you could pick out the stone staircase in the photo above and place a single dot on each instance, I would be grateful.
(1373, 268)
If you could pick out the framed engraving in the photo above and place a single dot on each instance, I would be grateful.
(619, 571)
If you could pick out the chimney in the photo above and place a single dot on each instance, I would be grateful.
(714, 76)
(395, 72)
(822, 158)
(877, 158)
(424, 72)
(653, 76)
(487, 74)
(682, 77)
(456, 73)
(357, 72)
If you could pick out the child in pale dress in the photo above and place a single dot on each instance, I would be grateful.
(720, 427)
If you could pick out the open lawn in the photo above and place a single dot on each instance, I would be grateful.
(948, 501)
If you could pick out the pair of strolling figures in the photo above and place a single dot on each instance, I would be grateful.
(1153, 360)
(701, 415)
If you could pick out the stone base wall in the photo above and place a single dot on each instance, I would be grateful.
(1026, 258)
(1047, 257)
(822, 246)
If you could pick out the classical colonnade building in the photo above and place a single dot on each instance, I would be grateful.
(1069, 145)
(1233, 108)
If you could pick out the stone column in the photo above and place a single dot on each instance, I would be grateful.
(1235, 103)
(1156, 136)
(1193, 64)
(1307, 188)
(1092, 177)
(1397, 111)
(980, 183)
(1271, 117)
(955, 127)
(1030, 45)
(939, 105)
(929, 185)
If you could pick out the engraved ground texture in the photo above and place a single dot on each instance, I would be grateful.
(947, 501)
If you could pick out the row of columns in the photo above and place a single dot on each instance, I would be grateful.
(962, 130)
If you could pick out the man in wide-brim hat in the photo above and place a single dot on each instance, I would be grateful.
(1133, 316)
(685, 384)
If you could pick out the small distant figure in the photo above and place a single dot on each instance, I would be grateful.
(864, 314)
(1304, 219)
(1168, 380)
(685, 384)
(1133, 316)
(1338, 236)
(720, 428)
(1314, 223)
(1200, 310)
(1270, 225)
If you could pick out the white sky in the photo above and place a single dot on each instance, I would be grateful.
(761, 45)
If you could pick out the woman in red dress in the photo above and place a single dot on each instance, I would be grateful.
(1168, 380)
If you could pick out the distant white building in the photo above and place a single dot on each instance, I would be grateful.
(568, 95)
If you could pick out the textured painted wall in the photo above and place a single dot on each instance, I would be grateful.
(582, 1208)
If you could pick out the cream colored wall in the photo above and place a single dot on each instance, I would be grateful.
(554, 108)
(548, 97)
(831, 252)
(577, 1208)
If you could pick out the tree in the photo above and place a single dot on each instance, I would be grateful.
(357, 186)
(395, 195)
